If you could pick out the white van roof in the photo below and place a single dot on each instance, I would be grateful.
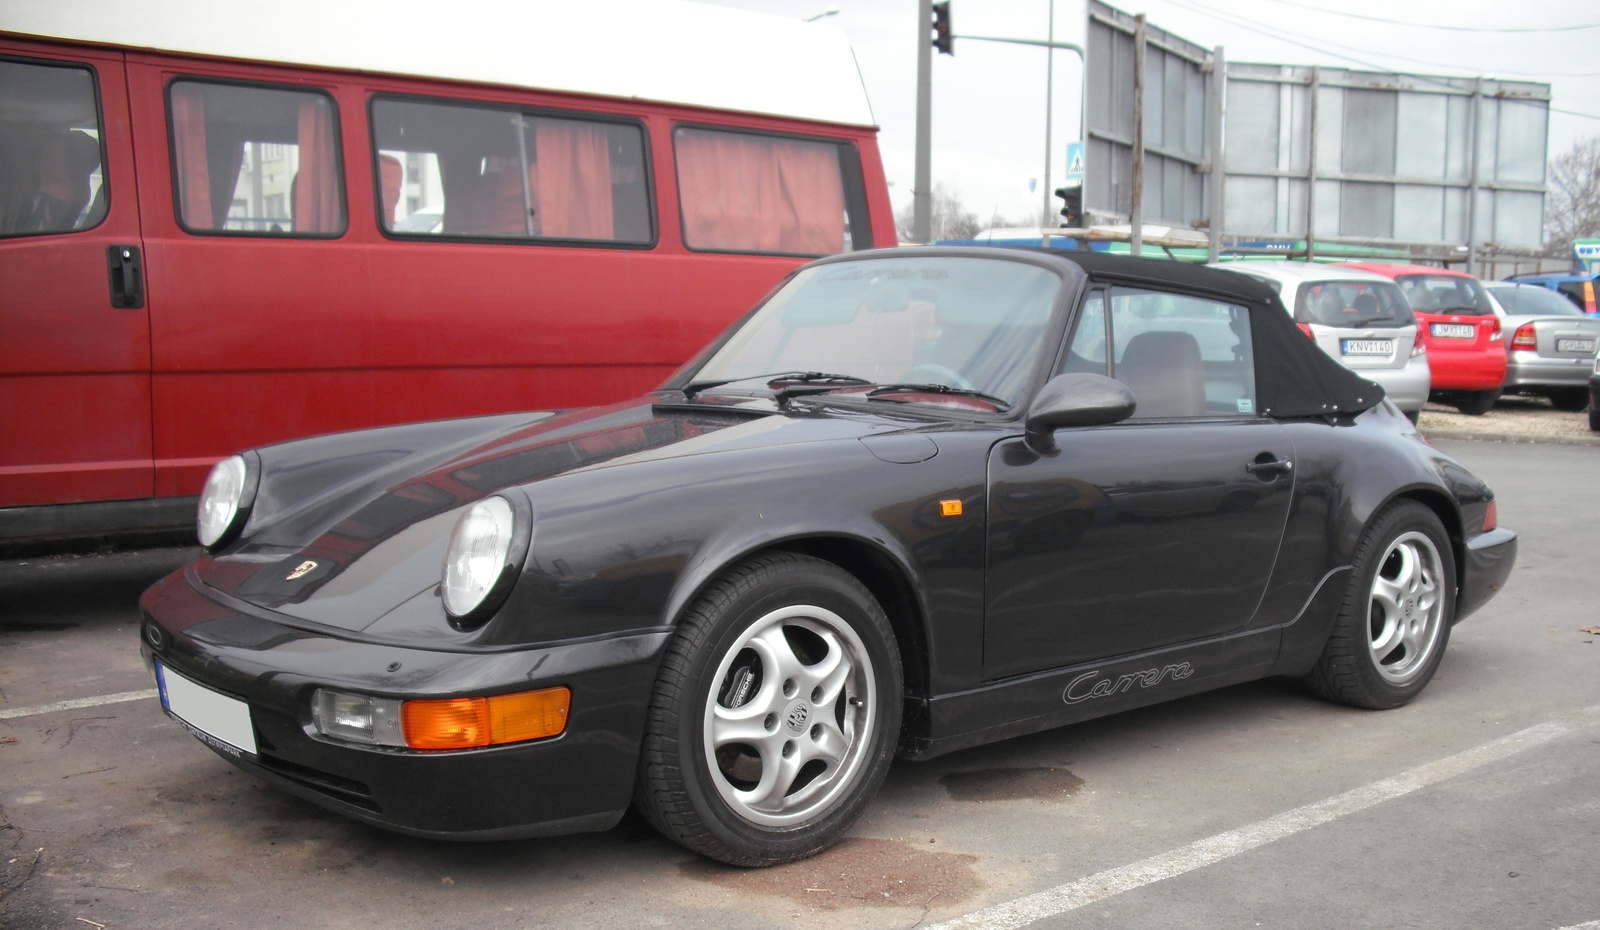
(668, 51)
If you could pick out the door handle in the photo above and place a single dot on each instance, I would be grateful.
(1266, 466)
(127, 277)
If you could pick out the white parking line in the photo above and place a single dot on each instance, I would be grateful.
(1591, 925)
(79, 702)
(1058, 900)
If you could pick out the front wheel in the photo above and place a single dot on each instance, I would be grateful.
(1394, 624)
(775, 714)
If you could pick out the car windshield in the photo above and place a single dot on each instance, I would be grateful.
(973, 324)
(1440, 293)
(1352, 303)
(1531, 300)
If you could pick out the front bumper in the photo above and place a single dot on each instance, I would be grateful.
(580, 780)
(1530, 369)
(1485, 566)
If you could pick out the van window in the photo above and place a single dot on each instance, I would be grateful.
(255, 161)
(51, 179)
(744, 192)
(456, 170)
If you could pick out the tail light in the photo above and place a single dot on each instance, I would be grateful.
(1588, 297)
(1417, 345)
(1525, 338)
(1306, 328)
(1491, 518)
(1494, 331)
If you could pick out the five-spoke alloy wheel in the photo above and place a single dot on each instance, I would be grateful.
(775, 713)
(1393, 626)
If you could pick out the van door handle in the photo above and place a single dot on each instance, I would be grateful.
(127, 277)
(1266, 467)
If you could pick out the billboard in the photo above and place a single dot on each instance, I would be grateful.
(1359, 157)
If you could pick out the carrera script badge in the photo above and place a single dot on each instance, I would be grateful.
(304, 568)
(1090, 685)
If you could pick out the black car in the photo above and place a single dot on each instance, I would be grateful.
(901, 508)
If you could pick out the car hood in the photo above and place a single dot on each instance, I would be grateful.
(347, 528)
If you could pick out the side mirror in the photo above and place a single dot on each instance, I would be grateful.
(1076, 399)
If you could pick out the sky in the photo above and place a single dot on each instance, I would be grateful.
(989, 99)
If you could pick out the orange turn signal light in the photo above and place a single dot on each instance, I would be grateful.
(1491, 517)
(470, 723)
(950, 508)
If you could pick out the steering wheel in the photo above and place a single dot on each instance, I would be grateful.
(934, 373)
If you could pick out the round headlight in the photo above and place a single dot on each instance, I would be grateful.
(484, 552)
(219, 502)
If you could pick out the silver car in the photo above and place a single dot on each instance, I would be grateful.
(1550, 343)
(1359, 318)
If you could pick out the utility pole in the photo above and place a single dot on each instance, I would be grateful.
(1136, 218)
(1216, 189)
(922, 183)
(1049, 111)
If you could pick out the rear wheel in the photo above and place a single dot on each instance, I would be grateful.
(1477, 403)
(1394, 624)
(1571, 400)
(1594, 418)
(775, 714)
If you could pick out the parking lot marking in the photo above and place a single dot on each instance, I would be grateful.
(77, 703)
(1591, 925)
(1051, 902)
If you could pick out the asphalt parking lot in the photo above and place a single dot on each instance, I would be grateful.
(1258, 805)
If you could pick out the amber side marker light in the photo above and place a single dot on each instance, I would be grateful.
(1491, 518)
(950, 508)
(470, 723)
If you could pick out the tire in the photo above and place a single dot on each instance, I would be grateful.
(1594, 419)
(1572, 400)
(812, 761)
(1394, 624)
(1477, 403)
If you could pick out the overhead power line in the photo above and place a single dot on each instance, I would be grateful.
(1439, 26)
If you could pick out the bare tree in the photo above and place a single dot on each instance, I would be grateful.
(1572, 208)
(950, 217)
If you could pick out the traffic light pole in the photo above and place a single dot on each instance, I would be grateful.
(922, 183)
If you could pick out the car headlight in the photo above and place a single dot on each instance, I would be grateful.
(225, 502)
(486, 550)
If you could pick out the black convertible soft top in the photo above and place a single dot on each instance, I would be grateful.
(1294, 378)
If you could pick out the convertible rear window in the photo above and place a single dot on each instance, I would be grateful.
(1352, 303)
(1438, 293)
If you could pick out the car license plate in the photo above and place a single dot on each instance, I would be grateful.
(1453, 330)
(1367, 346)
(216, 719)
(1586, 346)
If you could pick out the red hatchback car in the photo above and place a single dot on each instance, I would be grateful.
(1466, 349)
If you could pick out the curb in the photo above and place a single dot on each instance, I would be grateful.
(1533, 438)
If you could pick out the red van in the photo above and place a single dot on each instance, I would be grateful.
(230, 225)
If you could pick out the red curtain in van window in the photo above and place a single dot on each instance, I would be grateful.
(573, 180)
(189, 156)
(755, 194)
(316, 194)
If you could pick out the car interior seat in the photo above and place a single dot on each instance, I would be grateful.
(1163, 370)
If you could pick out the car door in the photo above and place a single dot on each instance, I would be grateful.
(74, 331)
(1158, 530)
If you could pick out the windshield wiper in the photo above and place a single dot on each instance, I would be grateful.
(884, 390)
(785, 380)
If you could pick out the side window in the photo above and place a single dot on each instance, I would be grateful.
(1087, 350)
(255, 161)
(454, 170)
(746, 192)
(51, 177)
(1182, 356)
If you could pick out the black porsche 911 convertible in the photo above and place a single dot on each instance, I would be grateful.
(917, 500)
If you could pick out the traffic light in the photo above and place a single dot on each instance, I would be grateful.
(1071, 207)
(943, 39)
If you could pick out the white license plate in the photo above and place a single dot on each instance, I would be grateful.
(1453, 330)
(1586, 346)
(1367, 346)
(217, 719)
